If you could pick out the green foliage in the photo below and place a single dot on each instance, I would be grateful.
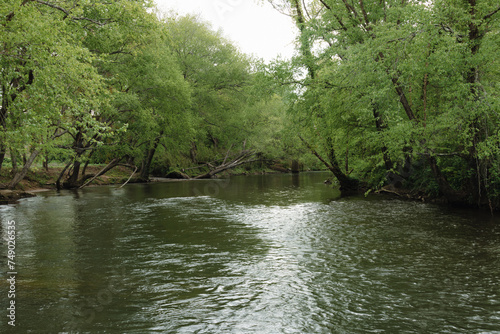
(103, 80)
(233, 106)
(49, 84)
(391, 81)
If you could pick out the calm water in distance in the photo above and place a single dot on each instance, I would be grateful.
(257, 254)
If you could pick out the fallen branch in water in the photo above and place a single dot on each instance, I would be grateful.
(129, 178)
(240, 159)
(103, 171)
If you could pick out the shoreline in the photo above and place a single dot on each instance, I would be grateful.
(30, 189)
(33, 185)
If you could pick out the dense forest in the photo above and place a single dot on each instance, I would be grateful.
(98, 82)
(397, 95)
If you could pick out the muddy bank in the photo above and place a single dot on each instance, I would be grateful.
(10, 196)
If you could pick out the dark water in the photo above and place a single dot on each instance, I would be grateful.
(260, 254)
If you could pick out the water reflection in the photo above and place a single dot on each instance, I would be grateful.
(262, 254)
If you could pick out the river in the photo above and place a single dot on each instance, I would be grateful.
(256, 254)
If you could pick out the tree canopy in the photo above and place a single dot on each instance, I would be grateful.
(115, 83)
(403, 92)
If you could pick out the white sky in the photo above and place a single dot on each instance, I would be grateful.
(256, 29)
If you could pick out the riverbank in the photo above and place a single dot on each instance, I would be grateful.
(46, 178)
(41, 179)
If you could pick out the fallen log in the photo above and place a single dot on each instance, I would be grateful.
(240, 159)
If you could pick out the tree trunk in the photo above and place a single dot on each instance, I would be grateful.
(193, 152)
(46, 163)
(17, 85)
(347, 184)
(3, 124)
(58, 182)
(13, 158)
(305, 45)
(475, 187)
(403, 99)
(295, 167)
(2, 155)
(381, 126)
(451, 195)
(3, 115)
(84, 169)
(214, 140)
(72, 181)
(21, 174)
(148, 158)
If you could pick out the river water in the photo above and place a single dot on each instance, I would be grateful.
(257, 254)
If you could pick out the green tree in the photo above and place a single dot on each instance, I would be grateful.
(404, 84)
(74, 77)
(49, 86)
(232, 106)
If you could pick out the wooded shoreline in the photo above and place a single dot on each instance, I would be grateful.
(395, 97)
(31, 186)
(43, 180)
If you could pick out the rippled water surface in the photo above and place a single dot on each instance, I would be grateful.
(260, 254)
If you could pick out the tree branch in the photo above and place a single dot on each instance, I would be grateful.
(133, 173)
(325, 4)
(363, 11)
(103, 171)
(10, 16)
(68, 13)
(411, 36)
(340, 22)
(57, 135)
(350, 8)
(492, 13)
(313, 151)
(239, 160)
